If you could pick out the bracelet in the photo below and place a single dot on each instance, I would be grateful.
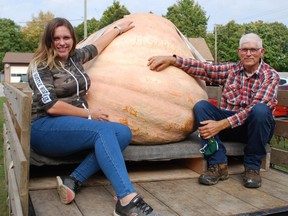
(89, 114)
(119, 28)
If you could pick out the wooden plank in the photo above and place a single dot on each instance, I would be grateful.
(42, 183)
(278, 190)
(266, 162)
(277, 177)
(19, 103)
(281, 128)
(259, 198)
(188, 197)
(20, 164)
(138, 172)
(14, 195)
(152, 200)
(47, 203)
(279, 157)
(95, 201)
(17, 100)
(198, 165)
(275, 184)
(18, 153)
(282, 97)
(24, 136)
(6, 148)
(170, 172)
(235, 164)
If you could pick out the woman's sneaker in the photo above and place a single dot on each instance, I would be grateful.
(136, 207)
(67, 187)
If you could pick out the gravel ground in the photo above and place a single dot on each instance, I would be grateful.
(1, 90)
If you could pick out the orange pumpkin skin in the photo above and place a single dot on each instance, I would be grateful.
(157, 106)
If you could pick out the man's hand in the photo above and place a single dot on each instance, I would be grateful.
(211, 128)
(158, 63)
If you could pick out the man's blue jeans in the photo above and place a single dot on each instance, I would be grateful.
(256, 132)
(65, 135)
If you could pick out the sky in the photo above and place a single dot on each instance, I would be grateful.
(218, 11)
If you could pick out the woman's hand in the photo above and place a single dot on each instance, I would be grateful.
(63, 108)
(109, 36)
(98, 114)
(124, 26)
(158, 63)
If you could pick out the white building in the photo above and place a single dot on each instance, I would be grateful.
(15, 66)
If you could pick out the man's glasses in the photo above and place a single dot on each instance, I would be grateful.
(252, 50)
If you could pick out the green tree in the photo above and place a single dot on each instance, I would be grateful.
(10, 38)
(33, 30)
(92, 26)
(275, 37)
(228, 41)
(189, 18)
(113, 13)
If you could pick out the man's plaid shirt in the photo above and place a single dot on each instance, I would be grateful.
(240, 92)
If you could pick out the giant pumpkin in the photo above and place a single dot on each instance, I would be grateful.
(157, 106)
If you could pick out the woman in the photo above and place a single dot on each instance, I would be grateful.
(62, 123)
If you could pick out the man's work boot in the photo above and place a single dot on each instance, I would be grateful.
(214, 173)
(252, 178)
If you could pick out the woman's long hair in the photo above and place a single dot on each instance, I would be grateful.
(45, 53)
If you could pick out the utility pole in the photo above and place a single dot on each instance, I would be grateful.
(85, 19)
(215, 46)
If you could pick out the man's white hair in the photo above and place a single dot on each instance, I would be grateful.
(250, 37)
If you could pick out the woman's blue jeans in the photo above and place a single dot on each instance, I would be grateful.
(256, 132)
(66, 135)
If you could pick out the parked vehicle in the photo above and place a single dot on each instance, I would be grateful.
(282, 111)
(283, 84)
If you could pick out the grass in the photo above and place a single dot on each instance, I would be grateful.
(3, 187)
(280, 143)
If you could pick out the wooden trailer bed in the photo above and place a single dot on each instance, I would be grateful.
(171, 189)
(170, 185)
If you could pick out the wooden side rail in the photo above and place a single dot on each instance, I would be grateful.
(17, 114)
(280, 157)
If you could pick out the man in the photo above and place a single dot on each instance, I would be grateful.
(248, 99)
